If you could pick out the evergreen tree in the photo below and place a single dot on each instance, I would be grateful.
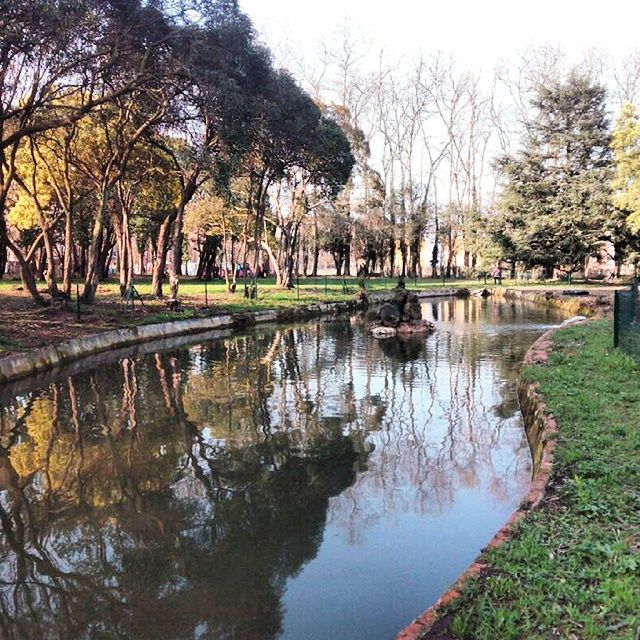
(557, 195)
(625, 143)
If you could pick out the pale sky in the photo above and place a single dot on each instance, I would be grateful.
(477, 33)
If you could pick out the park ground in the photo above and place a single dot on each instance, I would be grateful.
(571, 570)
(25, 326)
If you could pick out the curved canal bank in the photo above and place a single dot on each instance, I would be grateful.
(566, 563)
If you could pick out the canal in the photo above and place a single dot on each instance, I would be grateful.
(299, 483)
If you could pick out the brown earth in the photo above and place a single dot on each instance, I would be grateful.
(25, 326)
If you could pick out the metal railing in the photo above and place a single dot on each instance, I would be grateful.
(626, 327)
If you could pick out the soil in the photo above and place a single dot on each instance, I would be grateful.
(24, 325)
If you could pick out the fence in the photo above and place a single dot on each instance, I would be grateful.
(626, 330)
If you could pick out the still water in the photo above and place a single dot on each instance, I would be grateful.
(305, 483)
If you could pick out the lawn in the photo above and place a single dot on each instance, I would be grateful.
(214, 294)
(572, 570)
(25, 326)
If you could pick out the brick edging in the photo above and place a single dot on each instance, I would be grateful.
(541, 428)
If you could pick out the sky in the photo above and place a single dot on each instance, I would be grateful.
(477, 33)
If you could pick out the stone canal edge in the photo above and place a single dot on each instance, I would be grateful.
(541, 429)
(35, 361)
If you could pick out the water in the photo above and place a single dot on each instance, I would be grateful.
(304, 483)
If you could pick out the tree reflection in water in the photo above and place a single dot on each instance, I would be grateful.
(174, 495)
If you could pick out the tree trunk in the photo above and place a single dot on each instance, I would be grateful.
(42, 264)
(82, 272)
(26, 274)
(67, 265)
(347, 258)
(177, 236)
(338, 260)
(316, 245)
(3, 246)
(162, 248)
(272, 260)
(106, 255)
(125, 252)
(180, 252)
(175, 252)
(118, 225)
(392, 258)
(92, 277)
(49, 252)
(288, 247)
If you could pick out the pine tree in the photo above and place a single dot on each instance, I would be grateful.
(557, 195)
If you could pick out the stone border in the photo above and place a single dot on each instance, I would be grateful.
(592, 305)
(23, 365)
(541, 429)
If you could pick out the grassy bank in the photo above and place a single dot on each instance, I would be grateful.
(572, 570)
(319, 287)
(25, 326)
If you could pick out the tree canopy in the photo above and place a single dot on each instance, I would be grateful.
(557, 196)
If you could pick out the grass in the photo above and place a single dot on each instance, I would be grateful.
(572, 570)
(311, 290)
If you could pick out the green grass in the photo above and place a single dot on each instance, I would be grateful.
(190, 286)
(572, 570)
(316, 288)
(311, 290)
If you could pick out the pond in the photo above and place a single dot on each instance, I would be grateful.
(303, 483)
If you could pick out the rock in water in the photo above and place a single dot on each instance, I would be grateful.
(389, 315)
(412, 311)
(415, 327)
(383, 332)
(400, 317)
(400, 298)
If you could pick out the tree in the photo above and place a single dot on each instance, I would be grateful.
(324, 168)
(625, 143)
(284, 125)
(557, 193)
(52, 50)
(116, 130)
(204, 224)
(225, 69)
